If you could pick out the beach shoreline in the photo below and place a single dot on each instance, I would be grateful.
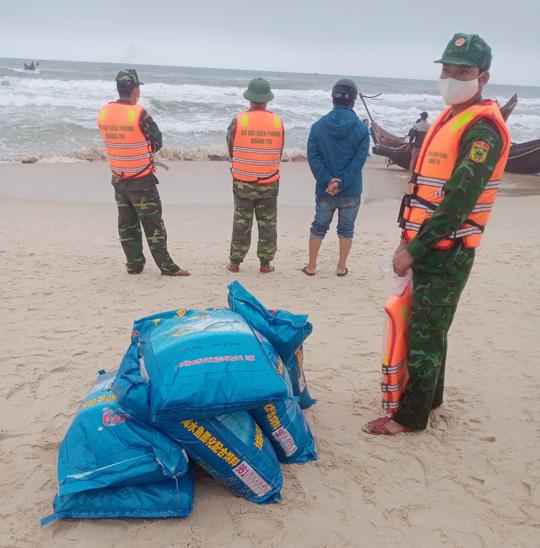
(472, 479)
(207, 182)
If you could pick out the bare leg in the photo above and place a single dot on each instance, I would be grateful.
(314, 246)
(345, 245)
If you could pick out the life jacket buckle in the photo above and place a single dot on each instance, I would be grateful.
(405, 202)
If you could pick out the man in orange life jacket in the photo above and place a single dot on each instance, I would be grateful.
(443, 219)
(255, 140)
(131, 138)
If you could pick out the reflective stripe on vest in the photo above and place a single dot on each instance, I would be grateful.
(128, 150)
(435, 165)
(257, 147)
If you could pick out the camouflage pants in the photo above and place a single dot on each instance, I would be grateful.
(261, 200)
(136, 207)
(435, 299)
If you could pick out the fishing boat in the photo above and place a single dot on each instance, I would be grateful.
(31, 67)
(523, 157)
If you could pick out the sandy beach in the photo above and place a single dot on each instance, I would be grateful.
(471, 480)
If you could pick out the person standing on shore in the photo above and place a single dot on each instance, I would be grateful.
(255, 140)
(131, 138)
(443, 219)
(417, 134)
(337, 148)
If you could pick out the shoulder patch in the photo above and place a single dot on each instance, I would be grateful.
(479, 152)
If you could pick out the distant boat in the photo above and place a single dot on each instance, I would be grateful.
(31, 67)
(523, 158)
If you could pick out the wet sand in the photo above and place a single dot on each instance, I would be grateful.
(206, 182)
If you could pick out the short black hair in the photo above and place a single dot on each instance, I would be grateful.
(125, 90)
(343, 102)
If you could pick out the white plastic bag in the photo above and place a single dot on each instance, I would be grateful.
(394, 283)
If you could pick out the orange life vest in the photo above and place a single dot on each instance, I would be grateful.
(394, 368)
(257, 147)
(128, 149)
(435, 166)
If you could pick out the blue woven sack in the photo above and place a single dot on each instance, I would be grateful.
(284, 423)
(231, 448)
(285, 331)
(203, 363)
(166, 499)
(105, 446)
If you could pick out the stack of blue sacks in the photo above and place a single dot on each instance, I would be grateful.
(221, 387)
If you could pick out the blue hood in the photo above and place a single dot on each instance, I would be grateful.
(339, 122)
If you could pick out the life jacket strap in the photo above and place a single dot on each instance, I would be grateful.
(405, 203)
(254, 175)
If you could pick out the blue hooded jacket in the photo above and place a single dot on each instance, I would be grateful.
(338, 146)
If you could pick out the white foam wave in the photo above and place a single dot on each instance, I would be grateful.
(47, 115)
(93, 154)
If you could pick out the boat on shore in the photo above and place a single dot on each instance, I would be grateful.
(523, 158)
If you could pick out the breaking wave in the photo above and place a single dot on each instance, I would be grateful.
(95, 154)
(52, 116)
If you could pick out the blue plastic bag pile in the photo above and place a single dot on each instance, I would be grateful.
(221, 387)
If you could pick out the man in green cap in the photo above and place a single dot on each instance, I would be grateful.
(454, 185)
(131, 138)
(255, 140)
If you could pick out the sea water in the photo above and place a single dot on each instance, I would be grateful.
(51, 115)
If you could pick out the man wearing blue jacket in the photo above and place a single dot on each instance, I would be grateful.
(337, 149)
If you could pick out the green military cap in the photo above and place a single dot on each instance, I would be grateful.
(128, 77)
(259, 91)
(468, 50)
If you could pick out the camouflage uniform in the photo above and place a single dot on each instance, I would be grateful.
(138, 206)
(139, 203)
(260, 199)
(440, 276)
(253, 198)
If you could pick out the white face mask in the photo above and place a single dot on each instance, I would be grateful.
(455, 92)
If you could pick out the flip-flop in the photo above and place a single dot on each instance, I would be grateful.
(266, 269)
(341, 274)
(305, 271)
(377, 427)
(179, 272)
(183, 272)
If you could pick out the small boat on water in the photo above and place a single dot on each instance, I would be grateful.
(31, 67)
(523, 158)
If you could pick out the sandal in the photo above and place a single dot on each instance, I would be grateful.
(306, 271)
(233, 267)
(266, 268)
(378, 427)
(341, 274)
(179, 272)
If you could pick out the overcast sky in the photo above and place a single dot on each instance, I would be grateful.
(377, 38)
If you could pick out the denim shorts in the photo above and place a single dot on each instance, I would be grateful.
(325, 206)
